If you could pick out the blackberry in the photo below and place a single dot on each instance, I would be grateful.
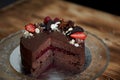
(47, 19)
(56, 19)
(77, 29)
(49, 24)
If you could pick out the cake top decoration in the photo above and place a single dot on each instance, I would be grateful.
(74, 33)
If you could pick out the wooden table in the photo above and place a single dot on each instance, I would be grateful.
(104, 25)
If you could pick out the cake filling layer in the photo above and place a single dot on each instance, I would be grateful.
(55, 49)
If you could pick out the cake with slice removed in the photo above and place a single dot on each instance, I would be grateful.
(56, 43)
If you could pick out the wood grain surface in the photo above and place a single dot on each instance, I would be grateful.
(104, 25)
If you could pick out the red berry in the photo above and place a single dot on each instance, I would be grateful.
(56, 19)
(30, 27)
(79, 35)
(47, 19)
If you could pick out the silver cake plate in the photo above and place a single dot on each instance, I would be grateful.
(52, 74)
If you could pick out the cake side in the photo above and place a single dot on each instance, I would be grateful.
(26, 58)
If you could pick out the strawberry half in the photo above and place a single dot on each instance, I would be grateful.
(79, 35)
(30, 27)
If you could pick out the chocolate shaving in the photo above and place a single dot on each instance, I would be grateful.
(62, 25)
(70, 23)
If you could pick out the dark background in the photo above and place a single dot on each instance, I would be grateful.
(4, 3)
(110, 6)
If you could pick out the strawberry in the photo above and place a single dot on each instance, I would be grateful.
(30, 27)
(79, 35)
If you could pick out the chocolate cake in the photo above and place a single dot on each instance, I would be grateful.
(56, 43)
